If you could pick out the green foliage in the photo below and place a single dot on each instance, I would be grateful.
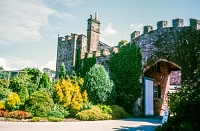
(62, 74)
(98, 84)
(23, 94)
(38, 119)
(64, 111)
(56, 114)
(105, 108)
(87, 64)
(125, 71)
(20, 81)
(54, 119)
(4, 83)
(45, 81)
(35, 75)
(122, 43)
(4, 92)
(118, 112)
(86, 106)
(78, 62)
(93, 114)
(12, 102)
(184, 105)
(39, 104)
(18, 115)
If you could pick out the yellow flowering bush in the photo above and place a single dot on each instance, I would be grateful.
(12, 101)
(69, 94)
(2, 105)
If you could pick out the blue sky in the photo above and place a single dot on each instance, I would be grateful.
(29, 28)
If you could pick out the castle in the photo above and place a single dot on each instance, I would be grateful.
(69, 45)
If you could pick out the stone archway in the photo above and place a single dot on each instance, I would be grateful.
(160, 73)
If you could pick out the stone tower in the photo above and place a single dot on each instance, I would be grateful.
(93, 31)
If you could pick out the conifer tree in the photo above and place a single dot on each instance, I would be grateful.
(98, 85)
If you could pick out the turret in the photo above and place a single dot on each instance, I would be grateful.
(93, 31)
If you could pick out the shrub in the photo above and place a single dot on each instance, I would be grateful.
(64, 111)
(54, 119)
(12, 102)
(2, 105)
(23, 94)
(18, 115)
(3, 113)
(86, 106)
(93, 114)
(55, 114)
(4, 83)
(45, 81)
(105, 109)
(68, 94)
(98, 84)
(118, 112)
(38, 119)
(4, 92)
(39, 104)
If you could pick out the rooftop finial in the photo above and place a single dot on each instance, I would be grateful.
(96, 15)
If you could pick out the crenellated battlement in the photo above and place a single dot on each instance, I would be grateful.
(176, 23)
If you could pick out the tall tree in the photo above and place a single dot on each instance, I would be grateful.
(125, 71)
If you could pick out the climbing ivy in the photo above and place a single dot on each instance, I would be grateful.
(125, 71)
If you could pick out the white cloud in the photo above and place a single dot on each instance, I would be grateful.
(109, 30)
(14, 63)
(63, 15)
(50, 64)
(136, 26)
(22, 21)
(108, 34)
(68, 3)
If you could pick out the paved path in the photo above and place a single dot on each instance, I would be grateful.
(133, 124)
